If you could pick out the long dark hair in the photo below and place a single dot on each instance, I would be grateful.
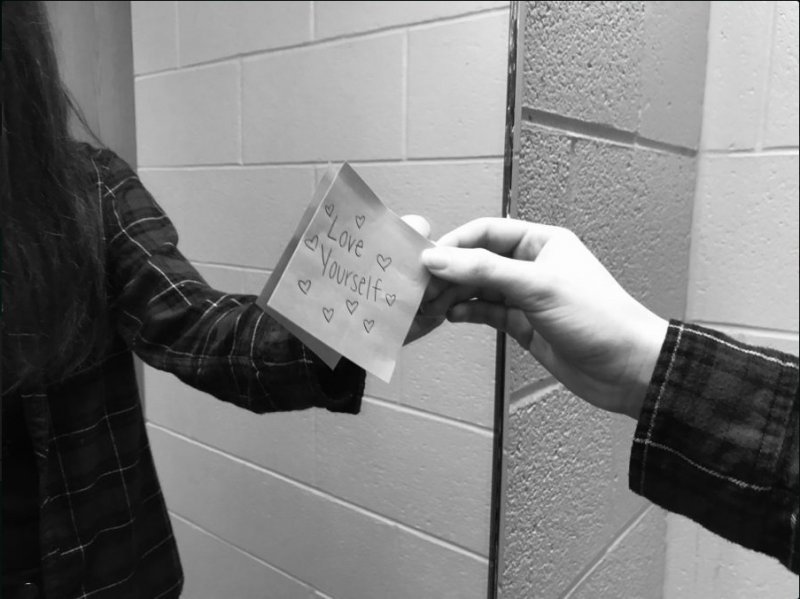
(53, 281)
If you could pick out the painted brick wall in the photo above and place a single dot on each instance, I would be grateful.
(744, 263)
(239, 106)
(612, 106)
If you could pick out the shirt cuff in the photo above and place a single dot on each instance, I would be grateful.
(711, 443)
(342, 387)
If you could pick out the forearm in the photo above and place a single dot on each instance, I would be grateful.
(717, 439)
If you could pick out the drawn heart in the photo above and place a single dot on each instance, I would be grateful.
(390, 297)
(304, 285)
(327, 313)
(329, 209)
(312, 243)
(360, 221)
(368, 324)
(352, 305)
(384, 261)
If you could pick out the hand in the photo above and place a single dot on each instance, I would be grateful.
(543, 287)
(422, 324)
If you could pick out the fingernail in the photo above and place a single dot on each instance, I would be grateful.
(435, 259)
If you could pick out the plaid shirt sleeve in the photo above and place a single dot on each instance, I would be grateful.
(717, 439)
(219, 343)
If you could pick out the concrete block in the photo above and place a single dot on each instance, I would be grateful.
(634, 565)
(413, 468)
(236, 216)
(523, 370)
(347, 105)
(560, 493)
(450, 372)
(674, 71)
(216, 30)
(282, 442)
(333, 546)
(209, 30)
(155, 47)
(224, 278)
(701, 565)
(446, 194)
(583, 60)
(633, 209)
(738, 38)
(745, 245)
(333, 19)
(466, 115)
(544, 168)
(782, 105)
(188, 117)
(269, 25)
(214, 568)
(254, 281)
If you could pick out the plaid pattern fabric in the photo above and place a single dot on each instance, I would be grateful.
(104, 526)
(717, 439)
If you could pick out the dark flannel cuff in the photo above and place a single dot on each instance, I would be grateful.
(711, 434)
(341, 388)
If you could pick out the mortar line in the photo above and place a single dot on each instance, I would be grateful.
(387, 520)
(430, 161)
(238, 267)
(524, 397)
(598, 559)
(234, 546)
(750, 330)
(753, 153)
(330, 41)
(599, 132)
(479, 429)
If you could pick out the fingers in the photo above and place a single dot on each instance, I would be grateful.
(497, 316)
(514, 279)
(500, 235)
(455, 294)
(419, 224)
(434, 289)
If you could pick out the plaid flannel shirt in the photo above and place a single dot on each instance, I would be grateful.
(104, 527)
(717, 439)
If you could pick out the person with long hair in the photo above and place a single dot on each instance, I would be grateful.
(91, 272)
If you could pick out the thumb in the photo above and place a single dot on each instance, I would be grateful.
(480, 268)
(419, 224)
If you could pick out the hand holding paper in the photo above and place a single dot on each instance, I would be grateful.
(351, 280)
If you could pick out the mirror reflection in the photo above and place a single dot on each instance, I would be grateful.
(208, 126)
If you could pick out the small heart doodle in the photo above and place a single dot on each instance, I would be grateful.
(360, 221)
(327, 313)
(329, 209)
(390, 297)
(312, 243)
(352, 305)
(368, 324)
(304, 285)
(384, 261)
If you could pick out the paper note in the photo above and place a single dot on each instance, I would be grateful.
(351, 279)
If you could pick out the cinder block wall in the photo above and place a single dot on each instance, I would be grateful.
(612, 106)
(744, 263)
(239, 106)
